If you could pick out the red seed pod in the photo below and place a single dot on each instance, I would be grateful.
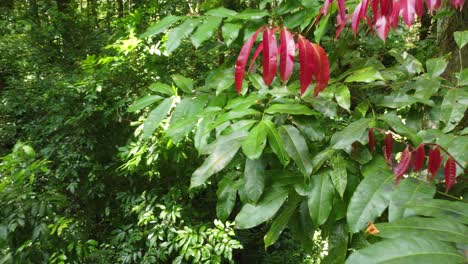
(403, 166)
(433, 165)
(450, 173)
(388, 147)
(371, 139)
(418, 157)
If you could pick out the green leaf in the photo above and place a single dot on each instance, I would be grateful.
(155, 117)
(226, 195)
(408, 190)
(461, 38)
(179, 33)
(205, 30)
(242, 102)
(312, 129)
(276, 143)
(463, 77)
(255, 142)
(252, 215)
(343, 97)
(372, 195)
(188, 108)
(180, 129)
(257, 81)
(231, 115)
(160, 26)
(457, 211)
(321, 157)
(280, 222)
(230, 32)
(435, 228)
(337, 244)
(219, 158)
(366, 75)
(296, 147)
(251, 14)
(221, 12)
(302, 228)
(436, 66)
(320, 30)
(220, 79)
(339, 175)
(353, 132)
(395, 122)
(407, 250)
(293, 109)
(453, 108)
(144, 102)
(161, 88)
(184, 83)
(320, 197)
(254, 176)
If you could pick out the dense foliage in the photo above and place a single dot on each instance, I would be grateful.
(123, 138)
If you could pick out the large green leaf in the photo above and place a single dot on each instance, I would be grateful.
(221, 12)
(176, 36)
(320, 197)
(457, 211)
(205, 30)
(249, 14)
(293, 109)
(180, 129)
(312, 129)
(296, 147)
(436, 66)
(321, 157)
(144, 102)
(408, 190)
(255, 142)
(339, 175)
(242, 102)
(187, 108)
(156, 116)
(161, 88)
(372, 195)
(395, 122)
(353, 132)
(343, 96)
(184, 83)
(252, 215)
(230, 32)
(160, 26)
(302, 228)
(280, 222)
(226, 195)
(254, 179)
(407, 250)
(461, 38)
(337, 244)
(276, 143)
(434, 228)
(367, 75)
(219, 158)
(453, 108)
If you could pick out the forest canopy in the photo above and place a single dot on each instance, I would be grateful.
(216, 131)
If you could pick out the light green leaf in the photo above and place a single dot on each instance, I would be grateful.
(296, 147)
(339, 175)
(220, 79)
(219, 158)
(189, 107)
(144, 102)
(408, 190)
(457, 211)
(251, 14)
(257, 81)
(461, 38)
(435, 228)
(252, 215)
(408, 250)
(343, 97)
(320, 30)
(233, 114)
(276, 143)
(293, 109)
(463, 77)
(353, 132)
(312, 129)
(155, 117)
(184, 83)
(280, 222)
(205, 30)
(244, 101)
(160, 26)
(179, 33)
(226, 194)
(367, 75)
(320, 197)
(180, 129)
(436, 66)
(230, 32)
(254, 175)
(221, 12)
(372, 195)
(397, 124)
(161, 88)
(255, 142)
(453, 108)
